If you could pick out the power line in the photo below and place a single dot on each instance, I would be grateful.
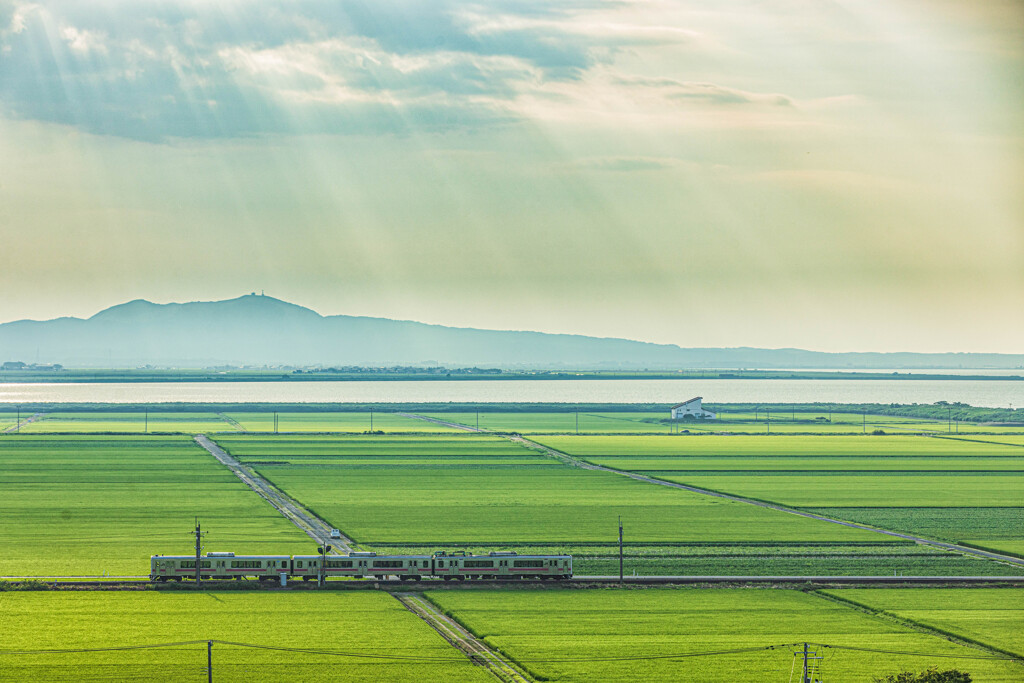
(916, 654)
(429, 658)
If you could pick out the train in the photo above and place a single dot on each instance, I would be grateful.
(459, 566)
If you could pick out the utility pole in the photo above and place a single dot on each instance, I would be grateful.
(577, 421)
(17, 425)
(769, 413)
(478, 420)
(322, 574)
(371, 419)
(949, 419)
(808, 657)
(209, 661)
(275, 422)
(864, 418)
(145, 428)
(620, 551)
(199, 549)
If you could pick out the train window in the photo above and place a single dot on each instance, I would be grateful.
(478, 563)
(527, 563)
(298, 564)
(387, 564)
(440, 564)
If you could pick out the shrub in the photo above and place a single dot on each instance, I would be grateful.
(932, 675)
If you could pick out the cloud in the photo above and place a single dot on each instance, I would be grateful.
(165, 69)
(710, 93)
(627, 164)
(184, 68)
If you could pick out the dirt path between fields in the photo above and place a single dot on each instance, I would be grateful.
(452, 631)
(582, 464)
(315, 528)
(14, 428)
(443, 423)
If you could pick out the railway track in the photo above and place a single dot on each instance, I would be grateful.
(575, 582)
(459, 637)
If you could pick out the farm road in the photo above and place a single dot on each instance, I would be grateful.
(15, 427)
(582, 464)
(315, 528)
(459, 637)
(453, 425)
(568, 459)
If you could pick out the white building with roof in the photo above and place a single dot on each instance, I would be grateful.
(692, 408)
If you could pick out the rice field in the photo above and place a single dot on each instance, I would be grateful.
(586, 422)
(959, 490)
(385, 641)
(130, 423)
(903, 489)
(807, 446)
(604, 635)
(88, 505)
(380, 446)
(545, 503)
(993, 616)
(355, 422)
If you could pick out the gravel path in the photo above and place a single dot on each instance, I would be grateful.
(316, 528)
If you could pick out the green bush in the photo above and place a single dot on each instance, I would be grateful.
(932, 675)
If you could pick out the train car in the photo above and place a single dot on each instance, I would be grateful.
(502, 565)
(448, 566)
(405, 567)
(219, 566)
(362, 565)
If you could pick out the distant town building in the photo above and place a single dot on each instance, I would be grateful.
(18, 365)
(691, 408)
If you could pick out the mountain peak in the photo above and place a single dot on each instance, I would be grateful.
(247, 304)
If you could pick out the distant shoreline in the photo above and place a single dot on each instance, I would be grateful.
(101, 376)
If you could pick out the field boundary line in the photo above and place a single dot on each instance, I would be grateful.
(916, 625)
(233, 422)
(462, 639)
(583, 464)
(311, 524)
(985, 441)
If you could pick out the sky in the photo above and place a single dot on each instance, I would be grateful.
(829, 175)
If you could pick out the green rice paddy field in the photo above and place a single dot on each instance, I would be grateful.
(967, 491)
(992, 616)
(587, 422)
(192, 423)
(74, 505)
(560, 423)
(131, 423)
(366, 623)
(335, 422)
(543, 503)
(600, 635)
(458, 491)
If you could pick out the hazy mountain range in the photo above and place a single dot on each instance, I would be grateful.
(262, 330)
